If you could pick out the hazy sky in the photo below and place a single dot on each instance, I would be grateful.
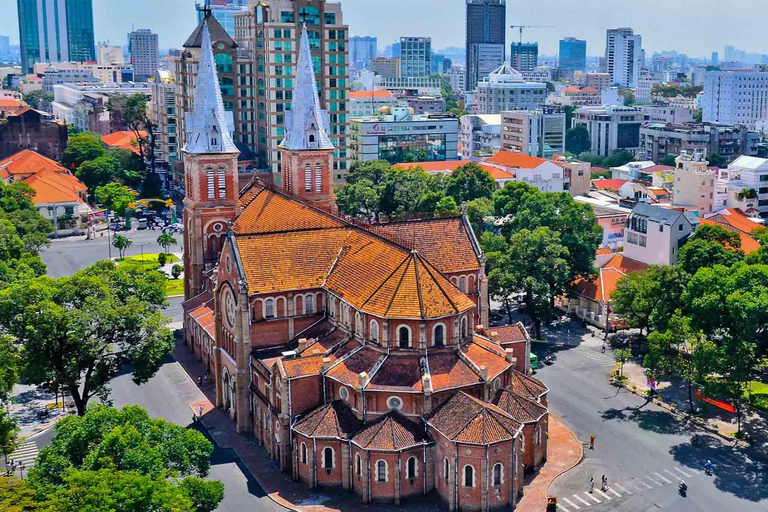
(695, 27)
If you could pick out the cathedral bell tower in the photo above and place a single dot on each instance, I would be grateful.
(210, 173)
(306, 152)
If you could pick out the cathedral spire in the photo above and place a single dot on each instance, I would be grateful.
(208, 127)
(306, 124)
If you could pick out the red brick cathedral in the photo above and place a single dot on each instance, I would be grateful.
(355, 353)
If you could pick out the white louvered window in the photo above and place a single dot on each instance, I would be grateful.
(222, 183)
(287, 173)
(318, 178)
(307, 178)
(211, 184)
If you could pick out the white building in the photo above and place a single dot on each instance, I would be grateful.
(666, 114)
(162, 112)
(145, 53)
(111, 73)
(751, 174)
(106, 54)
(543, 174)
(396, 135)
(369, 103)
(418, 85)
(457, 74)
(539, 75)
(623, 56)
(735, 97)
(654, 235)
(480, 136)
(645, 85)
(694, 182)
(611, 128)
(70, 105)
(632, 171)
(539, 133)
(505, 89)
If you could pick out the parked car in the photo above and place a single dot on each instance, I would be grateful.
(142, 224)
(174, 228)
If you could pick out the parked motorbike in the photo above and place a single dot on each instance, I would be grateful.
(683, 488)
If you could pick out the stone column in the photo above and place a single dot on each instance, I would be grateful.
(384, 333)
(422, 336)
(243, 359)
(398, 479)
(346, 475)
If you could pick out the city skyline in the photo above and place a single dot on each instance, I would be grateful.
(585, 20)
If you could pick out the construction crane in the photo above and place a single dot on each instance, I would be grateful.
(521, 27)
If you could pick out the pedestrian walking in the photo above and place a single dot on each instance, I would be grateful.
(591, 441)
(591, 485)
(602, 350)
(604, 486)
(200, 381)
(200, 411)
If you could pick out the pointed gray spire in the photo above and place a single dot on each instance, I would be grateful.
(209, 126)
(306, 124)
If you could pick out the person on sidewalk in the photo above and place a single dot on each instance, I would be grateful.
(602, 350)
(591, 441)
(591, 485)
(604, 486)
(200, 412)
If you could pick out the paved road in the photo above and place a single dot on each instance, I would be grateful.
(642, 450)
(66, 256)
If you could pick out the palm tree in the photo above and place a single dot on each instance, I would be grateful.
(121, 243)
(166, 241)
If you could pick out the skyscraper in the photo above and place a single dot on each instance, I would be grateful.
(55, 31)
(573, 54)
(5, 46)
(623, 56)
(485, 39)
(715, 58)
(415, 56)
(362, 49)
(144, 52)
(524, 56)
(224, 12)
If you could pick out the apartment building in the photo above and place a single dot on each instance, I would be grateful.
(623, 56)
(504, 89)
(415, 56)
(145, 53)
(735, 97)
(694, 183)
(369, 103)
(539, 132)
(385, 67)
(659, 140)
(611, 128)
(480, 136)
(654, 235)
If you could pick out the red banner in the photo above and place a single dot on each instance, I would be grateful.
(717, 403)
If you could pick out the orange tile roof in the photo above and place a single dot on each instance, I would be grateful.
(52, 187)
(398, 373)
(601, 289)
(523, 409)
(624, 264)
(392, 432)
(608, 184)
(267, 212)
(447, 371)
(736, 219)
(604, 250)
(334, 420)
(483, 356)
(509, 333)
(510, 159)
(368, 94)
(449, 166)
(465, 419)
(748, 244)
(347, 370)
(123, 140)
(203, 316)
(28, 162)
(527, 386)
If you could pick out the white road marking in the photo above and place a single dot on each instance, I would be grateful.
(681, 471)
(26, 453)
(652, 480)
(560, 507)
(695, 471)
(593, 497)
(625, 491)
(610, 489)
(601, 493)
(645, 484)
(570, 503)
(582, 500)
(663, 478)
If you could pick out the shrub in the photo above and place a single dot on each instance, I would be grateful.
(162, 258)
(176, 271)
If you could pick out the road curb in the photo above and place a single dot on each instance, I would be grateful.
(581, 456)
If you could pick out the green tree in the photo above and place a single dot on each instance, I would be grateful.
(9, 366)
(628, 95)
(648, 299)
(469, 182)
(98, 172)
(121, 243)
(162, 258)
(477, 211)
(205, 495)
(17, 207)
(115, 197)
(622, 355)
(135, 112)
(716, 160)
(698, 115)
(359, 199)
(17, 496)
(9, 432)
(81, 148)
(569, 110)
(176, 271)
(39, 100)
(457, 112)
(577, 140)
(669, 160)
(166, 241)
(80, 331)
(710, 245)
(679, 352)
(446, 207)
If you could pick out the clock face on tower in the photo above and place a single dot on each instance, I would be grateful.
(229, 309)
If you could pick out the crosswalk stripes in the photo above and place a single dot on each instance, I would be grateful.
(562, 508)
(682, 472)
(622, 489)
(674, 476)
(25, 453)
(570, 503)
(610, 489)
(585, 502)
(592, 496)
(645, 484)
(663, 478)
(601, 493)
(595, 356)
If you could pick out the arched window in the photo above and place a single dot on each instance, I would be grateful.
(438, 335)
(464, 327)
(522, 444)
(359, 324)
(328, 458)
(318, 178)
(303, 453)
(260, 64)
(346, 315)
(311, 139)
(269, 308)
(446, 469)
(463, 284)
(309, 304)
(411, 468)
(537, 435)
(498, 474)
(469, 476)
(358, 465)
(307, 178)
(374, 330)
(381, 471)
(404, 336)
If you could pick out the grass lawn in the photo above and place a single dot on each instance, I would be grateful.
(149, 262)
(759, 394)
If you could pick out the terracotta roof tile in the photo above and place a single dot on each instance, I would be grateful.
(624, 264)
(527, 386)
(54, 187)
(448, 371)
(347, 371)
(510, 333)
(391, 432)
(519, 407)
(608, 184)
(736, 219)
(748, 244)
(203, 316)
(510, 159)
(368, 94)
(466, 419)
(331, 420)
(302, 366)
(486, 356)
(398, 373)
(29, 162)
(268, 212)
(123, 140)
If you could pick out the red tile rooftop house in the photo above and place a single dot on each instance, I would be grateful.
(355, 353)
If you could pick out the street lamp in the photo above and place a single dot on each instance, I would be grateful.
(142, 254)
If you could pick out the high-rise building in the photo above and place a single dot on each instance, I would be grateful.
(458, 76)
(386, 67)
(735, 97)
(362, 49)
(485, 39)
(623, 56)
(539, 133)
(106, 54)
(5, 46)
(55, 31)
(524, 56)
(506, 89)
(224, 12)
(415, 56)
(573, 54)
(144, 51)
(715, 58)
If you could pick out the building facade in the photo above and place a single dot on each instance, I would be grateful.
(369, 103)
(748, 173)
(33, 130)
(415, 56)
(543, 174)
(458, 77)
(55, 31)
(224, 14)
(524, 56)
(396, 135)
(106, 54)
(504, 89)
(735, 97)
(362, 49)
(480, 136)
(86, 105)
(694, 182)
(611, 128)
(573, 54)
(424, 104)
(659, 140)
(539, 133)
(385, 67)
(623, 56)
(666, 114)
(145, 53)
(654, 235)
(162, 112)
(485, 39)
(600, 81)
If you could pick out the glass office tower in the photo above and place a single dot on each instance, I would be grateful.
(573, 54)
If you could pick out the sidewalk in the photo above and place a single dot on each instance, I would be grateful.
(563, 453)
(30, 408)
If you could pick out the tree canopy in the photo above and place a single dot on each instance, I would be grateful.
(115, 196)
(577, 140)
(81, 148)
